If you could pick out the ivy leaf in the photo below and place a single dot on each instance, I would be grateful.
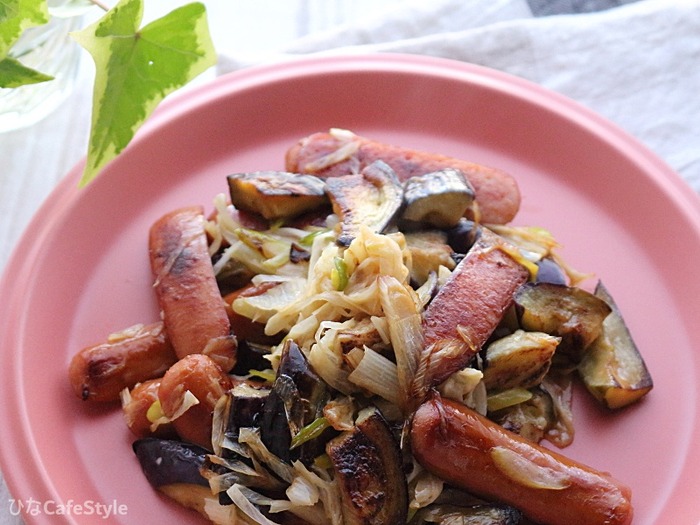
(136, 69)
(14, 74)
(16, 16)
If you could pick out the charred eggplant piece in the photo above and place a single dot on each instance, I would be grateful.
(276, 194)
(472, 515)
(519, 360)
(439, 198)
(568, 312)
(469, 307)
(368, 465)
(613, 369)
(232, 463)
(297, 398)
(372, 198)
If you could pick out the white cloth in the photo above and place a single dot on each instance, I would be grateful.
(638, 65)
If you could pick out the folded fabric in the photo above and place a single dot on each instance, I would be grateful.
(637, 65)
(556, 7)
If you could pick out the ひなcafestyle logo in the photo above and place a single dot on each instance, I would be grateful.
(35, 507)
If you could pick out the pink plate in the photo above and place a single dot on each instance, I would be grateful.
(81, 269)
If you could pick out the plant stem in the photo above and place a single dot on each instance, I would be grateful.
(100, 4)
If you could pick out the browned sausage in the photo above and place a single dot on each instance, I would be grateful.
(139, 353)
(194, 312)
(474, 453)
(497, 193)
(136, 412)
(200, 375)
(468, 308)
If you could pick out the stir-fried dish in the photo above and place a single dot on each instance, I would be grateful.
(365, 339)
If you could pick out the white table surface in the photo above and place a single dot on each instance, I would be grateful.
(33, 160)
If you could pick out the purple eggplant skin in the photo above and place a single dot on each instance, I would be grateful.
(571, 313)
(368, 467)
(482, 514)
(274, 427)
(549, 271)
(373, 198)
(250, 357)
(437, 199)
(299, 395)
(294, 364)
(613, 369)
(234, 275)
(246, 406)
(168, 462)
(462, 236)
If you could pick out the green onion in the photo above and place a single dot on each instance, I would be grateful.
(339, 274)
(309, 432)
(308, 240)
(154, 412)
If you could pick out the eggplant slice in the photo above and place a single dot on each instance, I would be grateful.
(276, 194)
(438, 199)
(563, 311)
(481, 514)
(372, 198)
(167, 462)
(520, 359)
(368, 466)
(613, 369)
(297, 398)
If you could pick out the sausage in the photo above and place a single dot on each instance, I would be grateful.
(471, 452)
(136, 354)
(469, 307)
(136, 412)
(193, 310)
(331, 154)
(200, 375)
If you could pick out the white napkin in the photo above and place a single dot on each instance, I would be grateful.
(637, 65)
